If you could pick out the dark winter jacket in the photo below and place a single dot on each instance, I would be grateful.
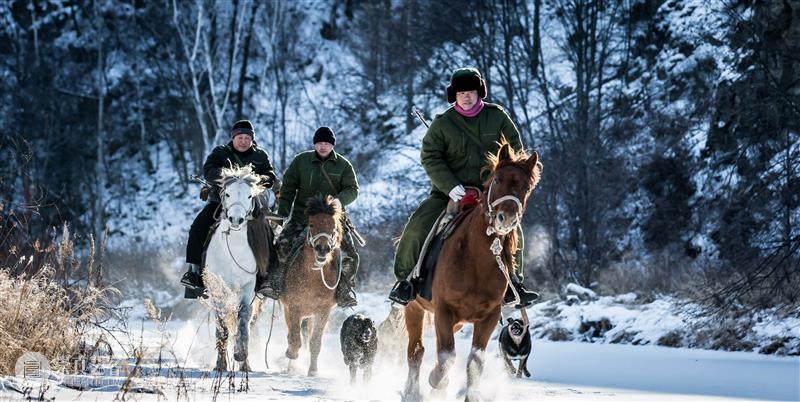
(304, 179)
(454, 147)
(225, 156)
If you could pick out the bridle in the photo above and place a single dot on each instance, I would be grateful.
(226, 233)
(249, 209)
(491, 213)
(331, 240)
(497, 244)
(321, 235)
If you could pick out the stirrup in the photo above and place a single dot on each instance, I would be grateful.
(527, 297)
(269, 292)
(192, 280)
(402, 292)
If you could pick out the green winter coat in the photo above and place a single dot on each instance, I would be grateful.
(454, 152)
(304, 179)
(454, 148)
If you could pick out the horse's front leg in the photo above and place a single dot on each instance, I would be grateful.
(293, 339)
(222, 345)
(482, 331)
(240, 349)
(445, 348)
(414, 316)
(315, 343)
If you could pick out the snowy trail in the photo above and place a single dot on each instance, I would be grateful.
(561, 371)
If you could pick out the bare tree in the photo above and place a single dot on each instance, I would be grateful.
(211, 87)
(100, 167)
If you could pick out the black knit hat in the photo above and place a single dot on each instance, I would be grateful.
(466, 79)
(325, 134)
(243, 127)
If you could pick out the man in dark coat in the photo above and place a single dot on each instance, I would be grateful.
(318, 172)
(454, 154)
(239, 152)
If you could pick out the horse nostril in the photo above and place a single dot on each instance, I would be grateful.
(230, 219)
(241, 220)
(501, 217)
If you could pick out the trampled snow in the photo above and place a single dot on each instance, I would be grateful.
(560, 370)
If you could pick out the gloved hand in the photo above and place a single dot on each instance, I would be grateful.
(456, 193)
(265, 181)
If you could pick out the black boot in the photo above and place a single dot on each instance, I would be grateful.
(345, 296)
(193, 281)
(272, 285)
(527, 297)
(193, 278)
(403, 292)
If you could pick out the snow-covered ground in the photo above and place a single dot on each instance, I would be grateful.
(561, 370)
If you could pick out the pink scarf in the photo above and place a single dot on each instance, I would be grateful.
(472, 112)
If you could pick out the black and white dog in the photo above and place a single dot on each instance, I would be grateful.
(359, 340)
(515, 343)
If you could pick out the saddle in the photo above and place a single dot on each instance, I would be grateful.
(445, 225)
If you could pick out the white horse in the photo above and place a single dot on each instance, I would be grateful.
(230, 257)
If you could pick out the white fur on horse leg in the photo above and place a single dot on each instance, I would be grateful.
(240, 350)
(475, 364)
(225, 254)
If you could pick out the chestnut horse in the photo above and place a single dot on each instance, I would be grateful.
(470, 282)
(312, 277)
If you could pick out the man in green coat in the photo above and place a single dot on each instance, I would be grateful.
(453, 154)
(305, 178)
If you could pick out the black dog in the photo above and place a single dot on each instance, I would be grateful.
(359, 344)
(515, 342)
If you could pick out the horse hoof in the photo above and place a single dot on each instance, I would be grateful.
(472, 396)
(240, 356)
(221, 367)
(411, 396)
(437, 379)
(291, 355)
(244, 367)
(312, 372)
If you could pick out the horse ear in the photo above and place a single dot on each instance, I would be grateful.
(336, 203)
(505, 152)
(532, 163)
(533, 160)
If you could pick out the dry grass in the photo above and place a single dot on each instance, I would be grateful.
(42, 312)
(221, 300)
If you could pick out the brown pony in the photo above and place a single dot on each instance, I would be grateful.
(468, 286)
(313, 276)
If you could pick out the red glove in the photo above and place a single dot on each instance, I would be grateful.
(469, 199)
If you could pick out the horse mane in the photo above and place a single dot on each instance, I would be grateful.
(245, 174)
(327, 205)
(323, 205)
(516, 158)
